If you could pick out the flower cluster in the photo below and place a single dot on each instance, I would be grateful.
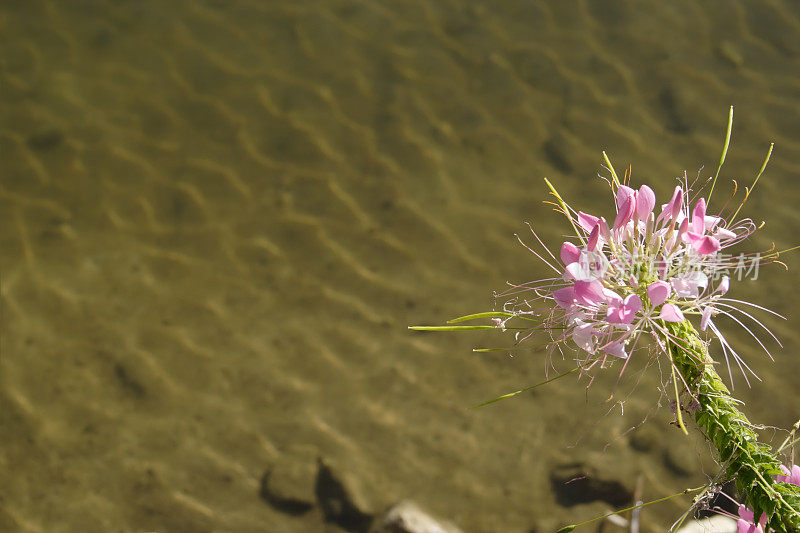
(619, 280)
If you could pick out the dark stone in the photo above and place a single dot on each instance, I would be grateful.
(644, 440)
(573, 486)
(128, 382)
(337, 502)
(554, 152)
(46, 139)
(290, 484)
(669, 100)
(281, 503)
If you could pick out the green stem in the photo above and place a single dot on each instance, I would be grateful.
(751, 463)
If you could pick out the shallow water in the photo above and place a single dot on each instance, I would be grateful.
(219, 218)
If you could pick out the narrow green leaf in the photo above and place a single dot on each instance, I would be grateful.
(503, 397)
(488, 314)
(566, 529)
(611, 168)
(490, 349)
(753, 186)
(724, 152)
(512, 394)
(449, 328)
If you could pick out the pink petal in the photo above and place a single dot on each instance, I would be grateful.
(587, 222)
(614, 315)
(690, 284)
(723, 233)
(569, 253)
(705, 318)
(711, 222)
(582, 335)
(684, 228)
(623, 312)
(747, 520)
(699, 216)
(792, 476)
(645, 202)
(623, 193)
(671, 313)
(564, 297)
(589, 292)
(625, 213)
(677, 202)
(747, 527)
(707, 246)
(692, 237)
(578, 271)
(616, 349)
(658, 292)
(604, 231)
(612, 297)
(746, 514)
(723, 286)
(632, 303)
(670, 210)
(594, 237)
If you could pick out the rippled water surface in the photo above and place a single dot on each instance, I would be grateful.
(218, 218)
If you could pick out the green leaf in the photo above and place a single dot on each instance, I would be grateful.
(512, 394)
(488, 314)
(724, 152)
(566, 529)
(449, 328)
(503, 397)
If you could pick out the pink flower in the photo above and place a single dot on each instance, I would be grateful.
(792, 476)
(617, 283)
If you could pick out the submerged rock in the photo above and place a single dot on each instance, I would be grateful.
(340, 499)
(289, 486)
(407, 517)
(574, 484)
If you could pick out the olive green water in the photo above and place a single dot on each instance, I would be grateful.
(218, 219)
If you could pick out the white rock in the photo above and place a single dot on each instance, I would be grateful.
(407, 517)
(715, 524)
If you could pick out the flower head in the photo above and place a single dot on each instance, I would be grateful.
(615, 283)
